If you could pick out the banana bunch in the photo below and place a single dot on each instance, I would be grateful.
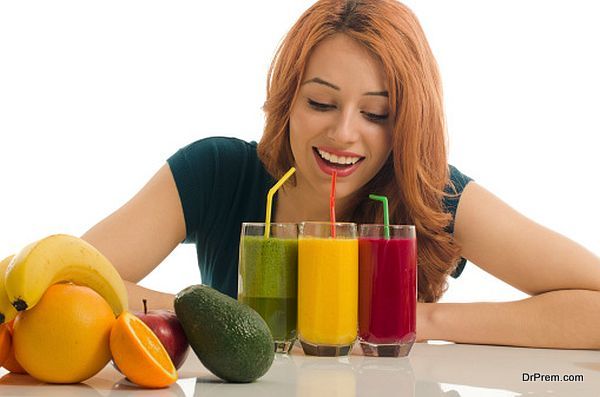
(54, 259)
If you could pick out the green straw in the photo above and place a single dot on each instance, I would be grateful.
(386, 213)
(270, 195)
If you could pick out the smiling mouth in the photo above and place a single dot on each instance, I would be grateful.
(337, 161)
(343, 165)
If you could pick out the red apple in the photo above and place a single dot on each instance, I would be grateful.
(166, 326)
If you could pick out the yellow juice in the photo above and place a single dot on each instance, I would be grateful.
(327, 290)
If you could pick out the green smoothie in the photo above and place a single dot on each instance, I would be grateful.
(268, 282)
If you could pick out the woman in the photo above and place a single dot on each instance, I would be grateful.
(354, 87)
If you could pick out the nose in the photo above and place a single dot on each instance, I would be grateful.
(345, 129)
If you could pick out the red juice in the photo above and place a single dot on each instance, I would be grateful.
(387, 291)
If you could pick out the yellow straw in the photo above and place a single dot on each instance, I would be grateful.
(270, 195)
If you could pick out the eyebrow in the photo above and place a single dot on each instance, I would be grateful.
(335, 87)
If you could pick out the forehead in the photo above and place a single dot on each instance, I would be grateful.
(343, 61)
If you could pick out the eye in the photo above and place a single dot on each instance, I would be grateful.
(377, 118)
(321, 107)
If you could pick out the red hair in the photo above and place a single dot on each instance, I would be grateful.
(416, 173)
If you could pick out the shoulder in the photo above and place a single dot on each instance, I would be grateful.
(211, 174)
(209, 155)
(458, 180)
(454, 188)
(218, 146)
(219, 160)
(453, 191)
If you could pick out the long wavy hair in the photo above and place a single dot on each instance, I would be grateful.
(416, 172)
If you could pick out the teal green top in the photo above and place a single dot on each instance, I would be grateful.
(222, 183)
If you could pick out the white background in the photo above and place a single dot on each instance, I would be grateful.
(95, 96)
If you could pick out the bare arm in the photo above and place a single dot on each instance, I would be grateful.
(156, 299)
(140, 234)
(562, 276)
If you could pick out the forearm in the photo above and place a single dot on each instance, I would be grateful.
(155, 299)
(559, 319)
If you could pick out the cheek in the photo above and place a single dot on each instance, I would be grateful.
(301, 129)
(308, 123)
(297, 131)
(381, 145)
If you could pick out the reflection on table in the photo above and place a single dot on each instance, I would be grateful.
(431, 370)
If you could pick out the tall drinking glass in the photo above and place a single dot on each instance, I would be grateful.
(267, 281)
(387, 289)
(327, 287)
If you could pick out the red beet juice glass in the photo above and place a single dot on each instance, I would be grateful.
(387, 294)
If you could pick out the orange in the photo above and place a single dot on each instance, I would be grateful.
(65, 338)
(139, 354)
(5, 343)
(11, 363)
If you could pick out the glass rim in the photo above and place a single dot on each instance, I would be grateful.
(271, 223)
(327, 223)
(367, 225)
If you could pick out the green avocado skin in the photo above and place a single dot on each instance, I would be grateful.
(231, 340)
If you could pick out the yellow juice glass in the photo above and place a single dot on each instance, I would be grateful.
(327, 288)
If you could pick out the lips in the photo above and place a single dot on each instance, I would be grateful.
(334, 159)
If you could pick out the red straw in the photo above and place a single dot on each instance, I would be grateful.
(332, 203)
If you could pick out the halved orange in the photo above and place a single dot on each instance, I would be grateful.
(139, 354)
(5, 343)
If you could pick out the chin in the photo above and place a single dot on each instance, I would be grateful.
(343, 192)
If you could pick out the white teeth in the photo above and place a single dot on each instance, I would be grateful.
(332, 158)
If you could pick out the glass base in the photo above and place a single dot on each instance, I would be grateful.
(325, 350)
(284, 347)
(381, 350)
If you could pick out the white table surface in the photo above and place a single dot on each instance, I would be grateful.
(431, 370)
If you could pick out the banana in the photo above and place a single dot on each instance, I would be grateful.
(7, 311)
(62, 258)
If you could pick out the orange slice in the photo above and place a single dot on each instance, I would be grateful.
(138, 353)
(5, 342)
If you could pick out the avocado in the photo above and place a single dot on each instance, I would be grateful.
(230, 339)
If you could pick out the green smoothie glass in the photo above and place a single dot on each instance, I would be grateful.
(267, 282)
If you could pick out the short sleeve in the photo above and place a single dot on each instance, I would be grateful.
(458, 182)
(193, 168)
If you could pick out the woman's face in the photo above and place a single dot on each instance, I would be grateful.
(340, 120)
